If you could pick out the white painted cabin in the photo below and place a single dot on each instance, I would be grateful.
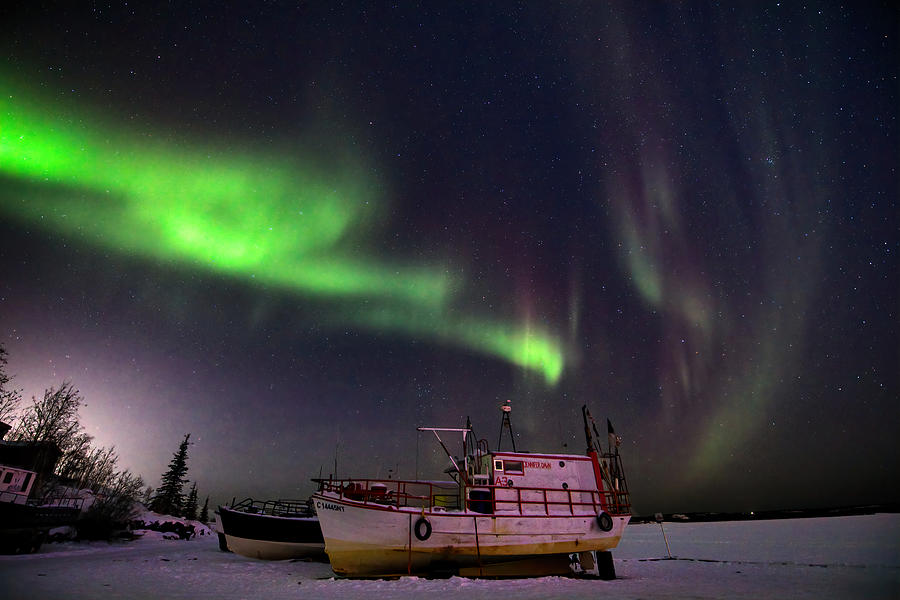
(15, 484)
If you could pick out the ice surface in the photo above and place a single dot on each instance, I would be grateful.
(838, 557)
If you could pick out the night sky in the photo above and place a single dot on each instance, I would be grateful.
(299, 232)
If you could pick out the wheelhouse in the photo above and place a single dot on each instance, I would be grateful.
(502, 483)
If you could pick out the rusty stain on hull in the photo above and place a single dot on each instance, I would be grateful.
(356, 559)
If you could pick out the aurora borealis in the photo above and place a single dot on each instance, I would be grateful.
(299, 232)
(250, 218)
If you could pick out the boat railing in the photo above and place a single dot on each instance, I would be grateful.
(493, 498)
(618, 497)
(275, 508)
(58, 502)
(618, 501)
(395, 492)
(56, 514)
(548, 501)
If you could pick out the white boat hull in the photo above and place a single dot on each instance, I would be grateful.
(371, 540)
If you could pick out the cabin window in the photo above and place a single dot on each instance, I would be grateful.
(8, 477)
(498, 465)
(515, 467)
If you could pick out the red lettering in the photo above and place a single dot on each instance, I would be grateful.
(537, 465)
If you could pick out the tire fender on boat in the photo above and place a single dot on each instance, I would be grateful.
(422, 524)
(604, 521)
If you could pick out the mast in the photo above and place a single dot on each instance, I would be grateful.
(587, 430)
(506, 424)
(591, 451)
(595, 451)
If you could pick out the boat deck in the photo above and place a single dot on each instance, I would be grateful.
(482, 499)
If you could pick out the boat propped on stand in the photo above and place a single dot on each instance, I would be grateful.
(505, 514)
(271, 529)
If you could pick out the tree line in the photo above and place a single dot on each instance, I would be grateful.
(53, 420)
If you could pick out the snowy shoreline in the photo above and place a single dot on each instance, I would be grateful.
(836, 557)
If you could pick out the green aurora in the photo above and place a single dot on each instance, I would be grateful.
(264, 220)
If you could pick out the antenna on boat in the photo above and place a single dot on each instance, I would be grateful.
(594, 445)
(506, 424)
(335, 458)
(585, 414)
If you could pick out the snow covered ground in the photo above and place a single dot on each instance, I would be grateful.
(838, 557)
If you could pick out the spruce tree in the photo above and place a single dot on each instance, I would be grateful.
(204, 512)
(169, 498)
(190, 507)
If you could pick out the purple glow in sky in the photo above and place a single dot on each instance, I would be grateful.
(684, 216)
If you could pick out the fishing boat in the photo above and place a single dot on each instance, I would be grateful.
(505, 513)
(271, 529)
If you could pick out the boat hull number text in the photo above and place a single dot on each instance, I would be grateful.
(329, 506)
